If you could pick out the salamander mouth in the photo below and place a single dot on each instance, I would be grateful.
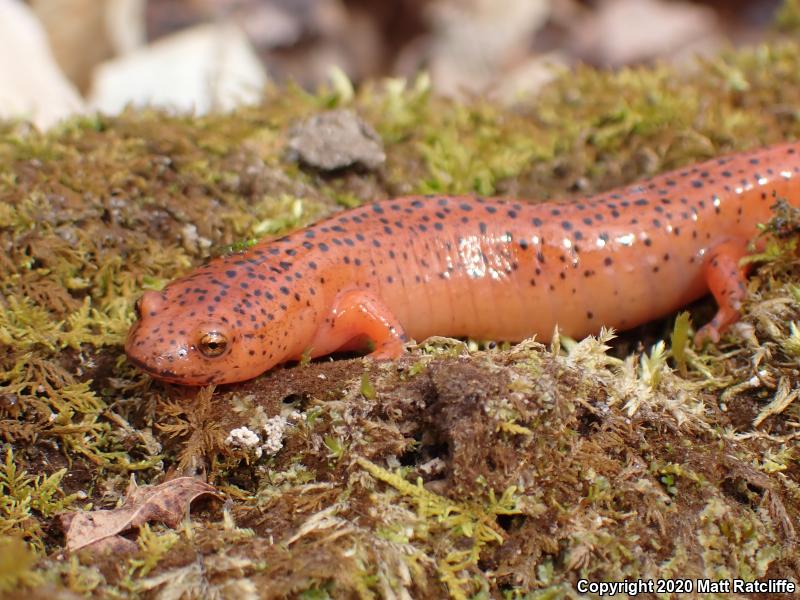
(149, 369)
(170, 375)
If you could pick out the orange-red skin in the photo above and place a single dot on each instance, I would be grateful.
(461, 266)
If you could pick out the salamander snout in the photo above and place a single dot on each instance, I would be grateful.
(196, 342)
(179, 350)
(150, 304)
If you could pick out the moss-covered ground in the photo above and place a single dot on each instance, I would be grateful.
(465, 470)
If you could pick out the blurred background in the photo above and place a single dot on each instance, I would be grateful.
(59, 57)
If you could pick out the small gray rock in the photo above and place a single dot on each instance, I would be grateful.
(334, 140)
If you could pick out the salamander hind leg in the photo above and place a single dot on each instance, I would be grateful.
(728, 284)
(358, 319)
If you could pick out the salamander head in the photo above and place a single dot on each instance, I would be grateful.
(179, 338)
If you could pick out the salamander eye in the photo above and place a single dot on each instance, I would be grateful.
(138, 307)
(213, 343)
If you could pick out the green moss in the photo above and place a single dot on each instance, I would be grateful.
(153, 548)
(788, 17)
(16, 565)
(23, 498)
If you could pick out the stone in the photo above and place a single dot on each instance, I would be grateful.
(32, 87)
(622, 32)
(204, 68)
(335, 140)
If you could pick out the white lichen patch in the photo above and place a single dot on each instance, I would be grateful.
(242, 437)
(274, 429)
(245, 438)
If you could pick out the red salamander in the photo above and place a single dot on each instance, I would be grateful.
(461, 266)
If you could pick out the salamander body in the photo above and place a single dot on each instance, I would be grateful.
(461, 266)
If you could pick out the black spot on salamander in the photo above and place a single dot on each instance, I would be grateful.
(696, 183)
(230, 274)
(607, 261)
(537, 222)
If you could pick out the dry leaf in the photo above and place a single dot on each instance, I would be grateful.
(166, 503)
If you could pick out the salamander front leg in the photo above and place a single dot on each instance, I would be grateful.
(727, 282)
(358, 316)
